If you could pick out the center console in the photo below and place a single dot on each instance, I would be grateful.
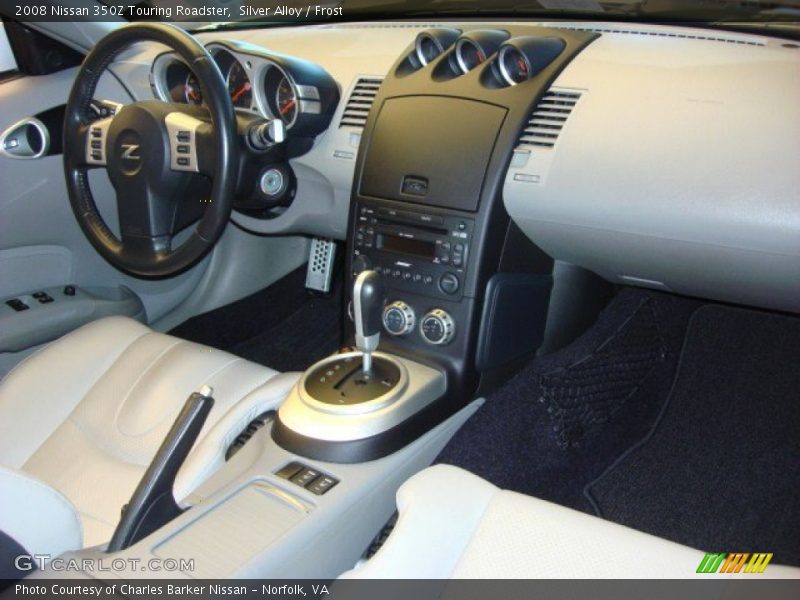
(464, 293)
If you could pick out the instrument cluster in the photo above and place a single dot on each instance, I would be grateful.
(275, 86)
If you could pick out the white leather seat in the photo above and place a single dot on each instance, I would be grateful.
(81, 419)
(453, 524)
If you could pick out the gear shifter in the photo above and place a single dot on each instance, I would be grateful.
(369, 296)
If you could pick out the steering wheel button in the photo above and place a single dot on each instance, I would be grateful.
(183, 161)
(183, 149)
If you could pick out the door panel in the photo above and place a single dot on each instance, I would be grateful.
(42, 247)
(41, 244)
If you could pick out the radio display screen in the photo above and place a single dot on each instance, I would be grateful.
(401, 245)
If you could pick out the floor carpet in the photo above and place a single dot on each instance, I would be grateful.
(720, 470)
(284, 327)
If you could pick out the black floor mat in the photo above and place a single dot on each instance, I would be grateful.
(564, 418)
(283, 327)
(720, 470)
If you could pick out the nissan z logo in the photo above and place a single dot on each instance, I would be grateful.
(129, 152)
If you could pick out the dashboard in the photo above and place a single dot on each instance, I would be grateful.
(658, 156)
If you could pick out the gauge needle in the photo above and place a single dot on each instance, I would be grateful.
(287, 106)
(238, 93)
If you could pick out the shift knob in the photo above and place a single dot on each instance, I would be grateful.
(369, 295)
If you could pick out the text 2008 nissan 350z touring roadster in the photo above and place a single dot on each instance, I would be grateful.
(414, 290)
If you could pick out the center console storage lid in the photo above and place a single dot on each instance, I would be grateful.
(431, 150)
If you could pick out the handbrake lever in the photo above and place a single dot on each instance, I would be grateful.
(153, 504)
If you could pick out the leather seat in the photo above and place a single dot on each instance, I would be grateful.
(81, 419)
(453, 524)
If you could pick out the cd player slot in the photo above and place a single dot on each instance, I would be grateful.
(430, 222)
(416, 225)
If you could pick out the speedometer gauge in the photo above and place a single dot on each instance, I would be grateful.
(239, 86)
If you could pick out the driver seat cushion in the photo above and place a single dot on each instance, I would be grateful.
(87, 413)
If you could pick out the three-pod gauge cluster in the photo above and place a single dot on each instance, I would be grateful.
(508, 60)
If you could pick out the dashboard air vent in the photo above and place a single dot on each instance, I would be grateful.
(357, 108)
(548, 118)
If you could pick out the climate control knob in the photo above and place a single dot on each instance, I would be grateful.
(438, 327)
(399, 318)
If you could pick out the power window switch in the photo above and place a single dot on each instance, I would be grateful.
(17, 304)
(69, 290)
(290, 470)
(304, 477)
(321, 485)
(45, 298)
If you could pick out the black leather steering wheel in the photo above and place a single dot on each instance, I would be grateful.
(158, 155)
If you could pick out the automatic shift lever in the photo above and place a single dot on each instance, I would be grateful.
(369, 295)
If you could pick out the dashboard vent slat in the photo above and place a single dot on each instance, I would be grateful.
(548, 118)
(360, 102)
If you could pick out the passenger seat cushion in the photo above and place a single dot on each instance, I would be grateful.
(453, 524)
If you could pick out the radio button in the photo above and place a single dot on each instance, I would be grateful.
(399, 318)
(449, 283)
(428, 280)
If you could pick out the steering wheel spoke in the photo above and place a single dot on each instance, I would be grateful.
(147, 247)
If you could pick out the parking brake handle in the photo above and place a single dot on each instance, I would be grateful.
(153, 504)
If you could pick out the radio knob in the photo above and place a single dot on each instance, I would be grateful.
(438, 327)
(399, 318)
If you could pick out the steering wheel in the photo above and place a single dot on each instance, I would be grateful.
(156, 154)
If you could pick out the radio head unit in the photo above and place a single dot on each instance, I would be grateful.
(417, 251)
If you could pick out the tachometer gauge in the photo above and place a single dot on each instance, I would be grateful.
(286, 101)
(239, 86)
(191, 90)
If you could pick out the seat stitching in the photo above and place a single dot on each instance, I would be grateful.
(80, 401)
(141, 375)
